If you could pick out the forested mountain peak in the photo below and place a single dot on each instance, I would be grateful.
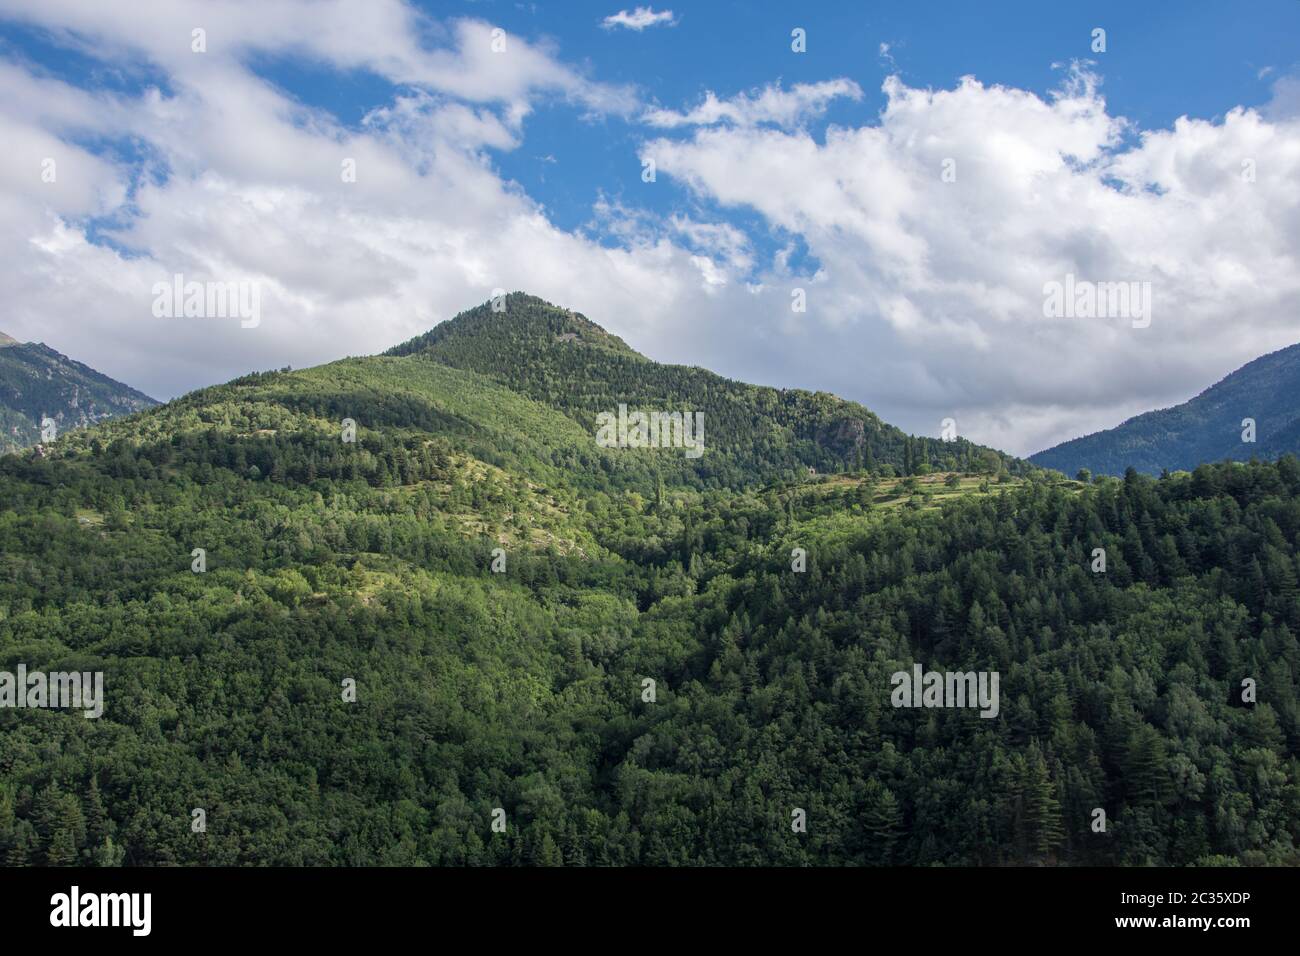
(754, 433)
(6, 340)
(514, 322)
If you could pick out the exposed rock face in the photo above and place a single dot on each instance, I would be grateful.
(37, 382)
(847, 434)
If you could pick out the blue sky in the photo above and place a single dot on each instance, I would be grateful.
(817, 171)
(1163, 60)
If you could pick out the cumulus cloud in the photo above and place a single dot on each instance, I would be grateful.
(639, 19)
(928, 289)
(768, 105)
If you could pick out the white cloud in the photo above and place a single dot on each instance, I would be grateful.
(768, 105)
(721, 240)
(1285, 102)
(388, 37)
(639, 19)
(928, 294)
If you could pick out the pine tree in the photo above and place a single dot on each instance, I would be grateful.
(883, 822)
(63, 849)
(96, 815)
(1145, 769)
(20, 851)
(109, 854)
(1041, 808)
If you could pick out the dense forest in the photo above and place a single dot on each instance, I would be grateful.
(473, 637)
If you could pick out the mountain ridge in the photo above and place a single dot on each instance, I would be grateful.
(37, 381)
(1208, 427)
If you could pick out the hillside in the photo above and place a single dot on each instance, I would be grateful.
(1206, 428)
(472, 611)
(36, 382)
(753, 433)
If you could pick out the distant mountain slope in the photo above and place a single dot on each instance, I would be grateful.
(37, 381)
(1207, 428)
(564, 360)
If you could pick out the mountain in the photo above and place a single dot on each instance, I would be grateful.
(521, 391)
(38, 382)
(753, 433)
(1207, 428)
(363, 613)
